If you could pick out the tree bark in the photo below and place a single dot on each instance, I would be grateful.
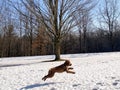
(57, 49)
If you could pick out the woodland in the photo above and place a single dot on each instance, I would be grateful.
(45, 27)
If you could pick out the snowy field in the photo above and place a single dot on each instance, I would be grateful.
(98, 71)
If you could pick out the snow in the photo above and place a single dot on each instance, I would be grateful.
(94, 71)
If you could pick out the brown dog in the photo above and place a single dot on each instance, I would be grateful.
(59, 69)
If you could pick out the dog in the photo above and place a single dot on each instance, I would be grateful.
(59, 69)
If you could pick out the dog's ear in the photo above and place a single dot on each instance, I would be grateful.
(67, 63)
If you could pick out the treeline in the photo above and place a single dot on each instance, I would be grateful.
(97, 41)
(23, 34)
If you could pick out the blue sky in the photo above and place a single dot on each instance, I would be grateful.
(94, 11)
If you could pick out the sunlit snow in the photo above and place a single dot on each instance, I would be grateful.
(94, 71)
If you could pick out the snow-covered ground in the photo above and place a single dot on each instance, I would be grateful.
(98, 71)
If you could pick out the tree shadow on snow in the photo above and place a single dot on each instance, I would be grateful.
(38, 85)
(10, 65)
(13, 65)
(28, 63)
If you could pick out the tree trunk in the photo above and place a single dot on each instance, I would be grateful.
(80, 41)
(57, 49)
(111, 41)
(84, 42)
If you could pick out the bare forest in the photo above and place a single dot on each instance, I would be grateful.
(45, 27)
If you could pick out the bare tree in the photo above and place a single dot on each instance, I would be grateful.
(83, 20)
(86, 21)
(57, 16)
(110, 15)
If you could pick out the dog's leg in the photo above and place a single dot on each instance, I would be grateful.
(70, 72)
(44, 78)
(70, 68)
(50, 75)
(67, 70)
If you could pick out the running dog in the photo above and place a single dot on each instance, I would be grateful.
(59, 69)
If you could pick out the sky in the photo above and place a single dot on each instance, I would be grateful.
(96, 14)
(94, 11)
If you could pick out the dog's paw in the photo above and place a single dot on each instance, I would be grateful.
(73, 72)
(43, 78)
(70, 68)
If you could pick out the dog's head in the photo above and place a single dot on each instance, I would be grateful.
(67, 63)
